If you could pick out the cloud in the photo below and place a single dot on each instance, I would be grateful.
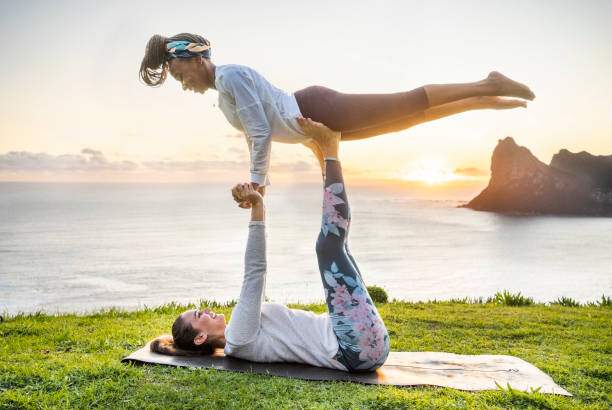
(195, 165)
(471, 172)
(91, 151)
(237, 135)
(299, 166)
(90, 160)
(240, 151)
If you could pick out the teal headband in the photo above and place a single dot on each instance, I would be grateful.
(184, 49)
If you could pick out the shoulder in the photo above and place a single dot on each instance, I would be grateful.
(277, 312)
(272, 307)
(235, 72)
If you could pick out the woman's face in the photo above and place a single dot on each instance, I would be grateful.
(191, 73)
(206, 322)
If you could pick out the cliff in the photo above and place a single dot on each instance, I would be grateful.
(577, 184)
(597, 169)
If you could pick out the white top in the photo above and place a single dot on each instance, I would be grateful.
(270, 332)
(260, 110)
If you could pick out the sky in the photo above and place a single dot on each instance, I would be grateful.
(73, 108)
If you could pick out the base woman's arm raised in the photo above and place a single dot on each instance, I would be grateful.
(246, 316)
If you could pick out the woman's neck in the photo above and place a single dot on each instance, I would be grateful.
(217, 342)
(211, 71)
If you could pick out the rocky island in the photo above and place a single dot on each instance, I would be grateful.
(572, 184)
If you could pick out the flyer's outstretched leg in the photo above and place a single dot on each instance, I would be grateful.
(496, 84)
(359, 116)
(435, 113)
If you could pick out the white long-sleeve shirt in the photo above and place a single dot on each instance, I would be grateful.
(260, 110)
(270, 332)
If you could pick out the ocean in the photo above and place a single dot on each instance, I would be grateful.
(77, 247)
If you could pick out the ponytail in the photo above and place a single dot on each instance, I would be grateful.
(165, 345)
(154, 65)
(181, 342)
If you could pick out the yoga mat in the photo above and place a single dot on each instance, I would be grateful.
(457, 371)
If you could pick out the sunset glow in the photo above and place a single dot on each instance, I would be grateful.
(432, 171)
(432, 176)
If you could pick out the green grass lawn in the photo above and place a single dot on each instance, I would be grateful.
(72, 361)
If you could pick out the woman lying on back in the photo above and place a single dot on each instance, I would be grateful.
(352, 337)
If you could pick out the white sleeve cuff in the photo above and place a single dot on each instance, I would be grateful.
(259, 179)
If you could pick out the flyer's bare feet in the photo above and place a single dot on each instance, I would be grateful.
(508, 87)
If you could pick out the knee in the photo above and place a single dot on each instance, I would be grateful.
(424, 97)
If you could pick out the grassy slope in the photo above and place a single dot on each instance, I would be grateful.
(73, 361)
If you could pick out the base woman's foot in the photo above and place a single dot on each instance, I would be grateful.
(317, 131)
(507, 87)
(499, 103)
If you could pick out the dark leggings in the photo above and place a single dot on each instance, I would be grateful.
(362, 337)
(362, 115)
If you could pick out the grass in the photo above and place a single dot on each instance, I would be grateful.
(71, 361)
(565, 301)
(510, 299)
(605, 301)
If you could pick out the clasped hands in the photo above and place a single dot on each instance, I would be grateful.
(248, 194)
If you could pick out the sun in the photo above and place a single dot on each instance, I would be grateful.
(430, 176)
(431, 171)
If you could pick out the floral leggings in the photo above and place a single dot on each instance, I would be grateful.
(362, 337)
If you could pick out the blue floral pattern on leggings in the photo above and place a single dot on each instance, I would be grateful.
(332, 220)
(354, 317)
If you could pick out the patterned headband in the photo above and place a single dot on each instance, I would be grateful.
(184, 49)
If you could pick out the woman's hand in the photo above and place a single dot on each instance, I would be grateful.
(246, 195)
(245, 204)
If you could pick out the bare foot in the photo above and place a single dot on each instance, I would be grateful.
(500, 103)
(317, 131)
(509, 88)
(326, 139)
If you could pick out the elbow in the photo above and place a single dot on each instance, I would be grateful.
(260, 267)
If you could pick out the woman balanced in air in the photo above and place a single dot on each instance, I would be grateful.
(351, 337)
(265, 113)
